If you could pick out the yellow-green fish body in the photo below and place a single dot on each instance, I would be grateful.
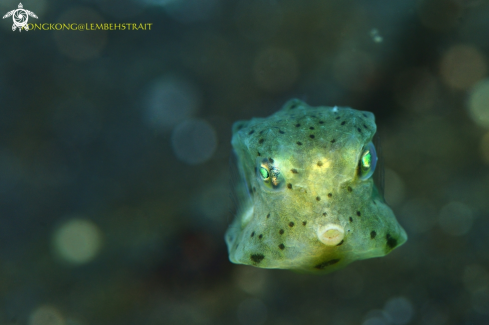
(307, 198)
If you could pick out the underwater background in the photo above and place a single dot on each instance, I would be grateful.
(115, 144)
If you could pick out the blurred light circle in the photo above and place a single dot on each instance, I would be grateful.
(249, 279)
(252, 312)
(462, 66)
(455, 219)
(46, 315)
(80, 45)
(479, 103)
(194, 141)
(275, 69)
(475, 278)
(399, 310)
(77, 241)
(169, 101)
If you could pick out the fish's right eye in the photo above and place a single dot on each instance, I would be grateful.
(368, 161)
(264, 173)
(269, 175)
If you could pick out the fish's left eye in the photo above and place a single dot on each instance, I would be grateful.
(269, 175)
(368, 161)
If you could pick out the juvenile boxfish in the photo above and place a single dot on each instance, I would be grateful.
(309, 195)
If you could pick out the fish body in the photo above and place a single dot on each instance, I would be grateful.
(307, 200)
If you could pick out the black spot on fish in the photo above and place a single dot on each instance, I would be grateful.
(258, 153)
(281, 231)
(270, 160)
(337, 118)
(351, 219)
(281, 246)
(391, 242)
(293, 170)
(365, 115)
(321, 122)
(343, 123)
(327, 263)
(365, 127)
(257, 258)
(251, 132)
(358, 213)
(350, 189)
(333, 141)
(358, 129)
(289, 186)
(260, 236)
(318, 198)
(299, 143)
(304, 223)
(330, 195)
(311, 136)
(252, 234)
(281, 132)
(373, 234)
(291, 224)
(325, 214)
(261, 141)
(240, 126)
(268, 215)
(311, 128)
(297, 125)
(320, 163)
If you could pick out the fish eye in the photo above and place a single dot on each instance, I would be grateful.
(368, 161)
(264, 173)
(269, 175)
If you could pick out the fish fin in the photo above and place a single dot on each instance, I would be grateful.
(240, 191)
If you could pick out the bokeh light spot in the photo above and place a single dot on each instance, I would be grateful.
(399, 310)
(250, 279)
(77, 241)
(46, 315)
(455, 219)
(194, 141)
(479, 103)
(462, 66)
(169, 101)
